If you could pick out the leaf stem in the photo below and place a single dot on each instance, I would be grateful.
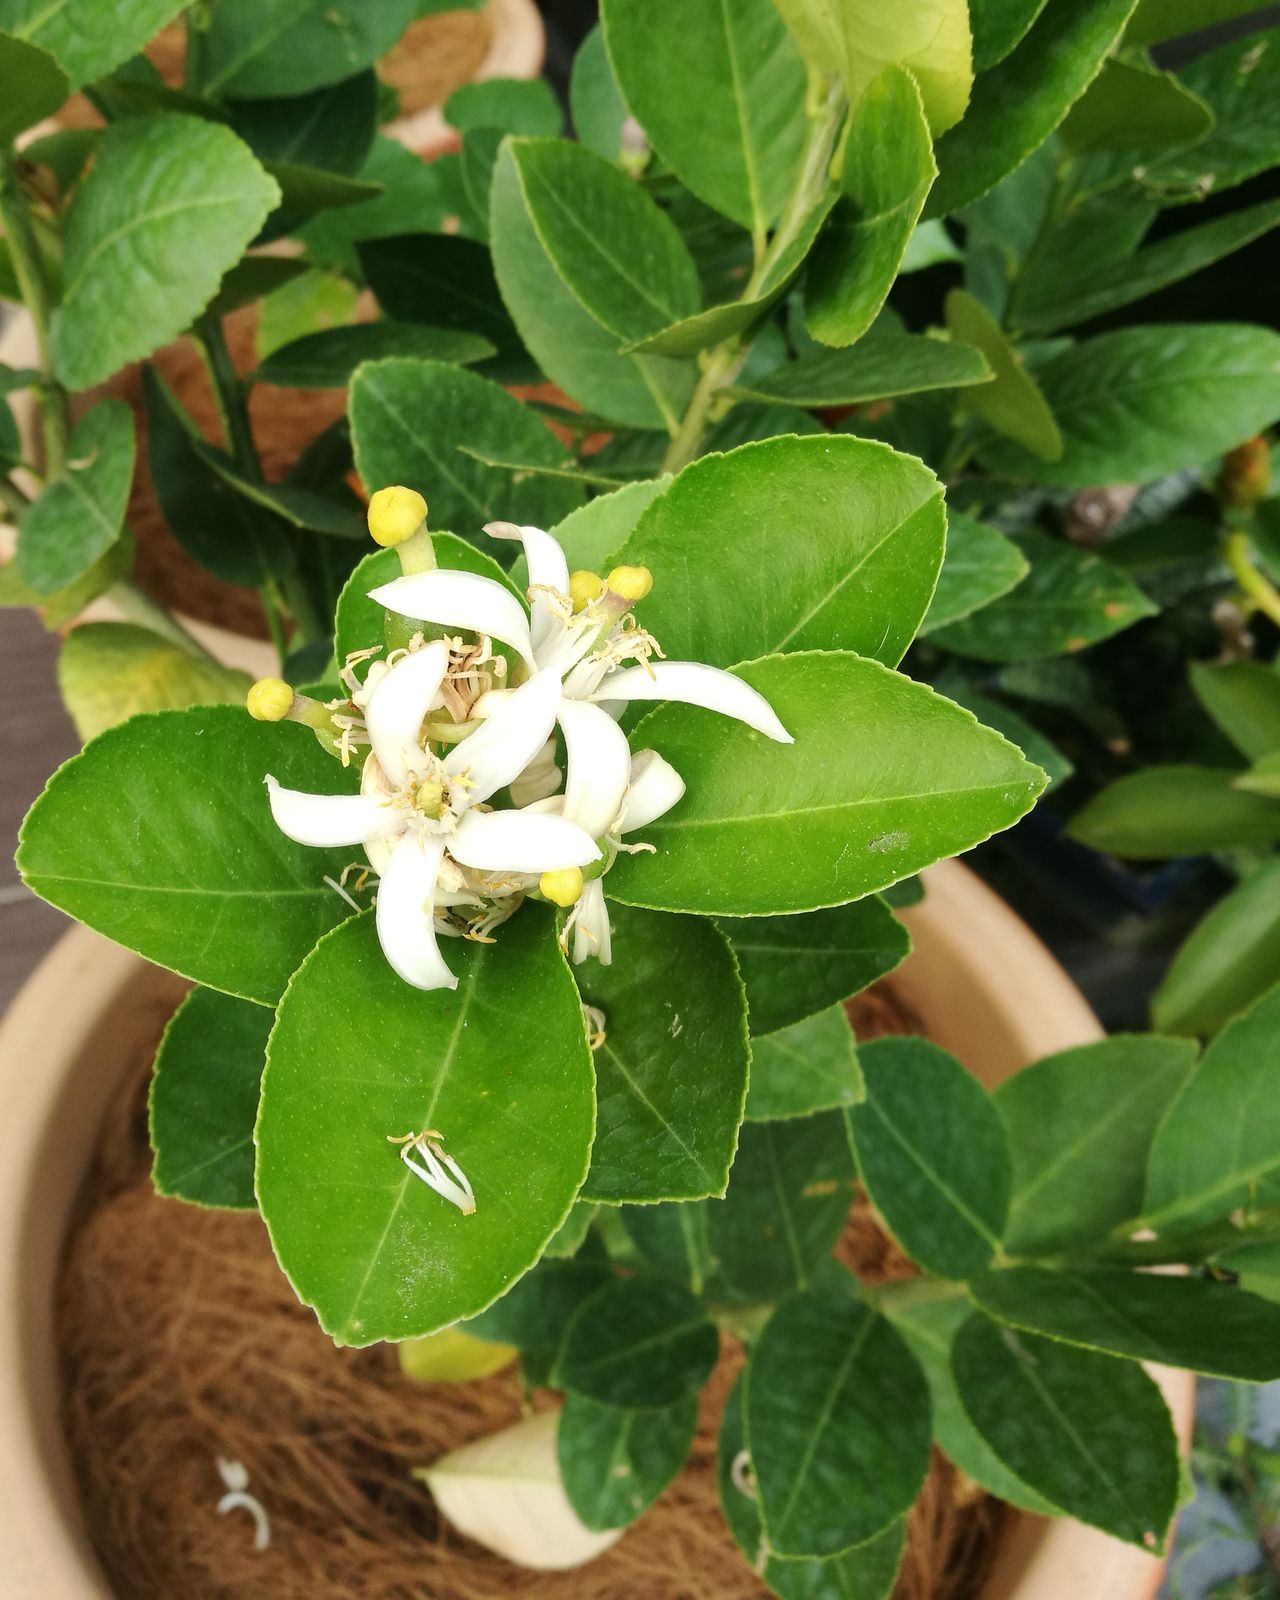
(29, 271)
(1257, 587)
(138, 607)
(1192, 1248)
(228, 393)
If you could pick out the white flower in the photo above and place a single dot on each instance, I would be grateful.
(420, 817)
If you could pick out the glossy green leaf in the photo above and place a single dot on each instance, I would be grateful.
(590, 535)
(881, 366)
(1263, 777)
(616, 1462)
(932, 1155)
(1212, 1328)
(888, 170)
(1131, 107)
(305, 191)
(885, 777)
(407, 420)
(858, 575)
(1243, 698)
(107, 671)
(373, 1250)
(795, 966)
(87, 41)
(998, 25)
(1175, 811)
(671, 1074)
(996, 714)
(235, 906)
(416, 199)
(35, 84)
(1012, 403)
(265, 48)
(810, 1066)
(980, 565)
(1219, 1145)
(595, 101)
(1018, 103)
(837, 1415)
(789, 1195)
(516, 105)
(1088, 1432)
(1070, 598)
(1080, 1124)
(1157, 20)
(441, 281)
(253, 278)
(78, 517)
(674, 1239)
(331, 129)
(327, 359)
(535, 1311)
(719, 91)
(204, 1099)
(1230, 958)
(170, 204)
(643, 1343)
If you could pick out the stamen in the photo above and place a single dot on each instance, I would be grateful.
(235, 1476)
(340, 890)
(437, 1170)
(595, 1021)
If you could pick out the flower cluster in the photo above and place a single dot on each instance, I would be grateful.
(449, 727)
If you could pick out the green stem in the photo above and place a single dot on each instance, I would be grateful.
(228, 392)
(148, 613)
(28, 268)
(909, 1292)
(1191, 1248)
(1258, 588)
(12, 498)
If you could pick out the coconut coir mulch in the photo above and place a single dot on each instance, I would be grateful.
(182, 1342)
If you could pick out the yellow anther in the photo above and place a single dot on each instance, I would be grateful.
(269, 700)
(396, 514)
(563, 886)
(583, 588)
(632, 583)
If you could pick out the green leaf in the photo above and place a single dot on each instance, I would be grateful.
(1243, 698)
(259, 49)
(789, 1195)
(170, 204)
(1175, 811)
(932, 1155)
(837, 1415)
(719, 91)
(87, 41)
(442, 281)
(407, 420)
(1230, 958)
(415, 199)
(1142, 402)
(1263, 777)
(1089, 1433)
(1018, 103)
(535, 1311)
(253, 278)
(305, 191)
(673, 1239)
(881, 366)
(888, 171)
(78, 517)
(1013, 403)
(810, 1066)
(1068, 600)
(234, 905)
(331, 129)
(595, 101)
(866, 1572)
(980, 565)
(107, 671)
(998, 25)
(516, 105)
(1080, 1124)
(204, 1099)
(327, 359)
(859, 577)
(1212, 1328)
(1157, 20)
(1219, 1146)
(1133, 107)
(569, 344)
(290, 502)
(885, 777)
(370, 1247)
(643, 1343)
(35, 85)
(671, 1074)
(616, 1462)
(590, 535)
(794, 967)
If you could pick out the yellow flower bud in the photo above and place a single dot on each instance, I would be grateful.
(563, 886)
(395, 514)
(632, 583)
(269, 700)
(583, 588)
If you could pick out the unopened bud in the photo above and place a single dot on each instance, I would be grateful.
(584, 587)
(269, 700)
(396, 514)
(563, 886)
(632, 583)
(1246, 473)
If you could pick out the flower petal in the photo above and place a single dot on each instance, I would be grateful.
(518, 841)
(405, 913)
(460, 600)
(539, 780)
(400, 700)
(505, 743)
(655, 787)
(599, 766)
(329, 819)
(592, 935)
(695, 684)
(548, 569)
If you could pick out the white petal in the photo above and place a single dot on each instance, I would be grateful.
(697, 685)
(405, 913)
(329, 819)
(397, 706)
(505, 743)
(539, 780)
(592, 935)
(599, 766)
(655, 787)
(517, 841)
(460, 600)
(379, 853)
(548, 569)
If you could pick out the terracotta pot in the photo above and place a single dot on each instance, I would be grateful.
(983, 984)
